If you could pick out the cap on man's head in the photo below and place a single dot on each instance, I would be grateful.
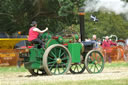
(33, 23)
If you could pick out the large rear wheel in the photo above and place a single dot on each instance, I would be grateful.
(56, 60)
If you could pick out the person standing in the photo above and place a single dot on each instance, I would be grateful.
(106, 45)
(94, 40)
(94, 37)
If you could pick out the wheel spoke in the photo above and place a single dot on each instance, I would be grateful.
(91, 66)
(55, 50)
(95, 57)
(64, 63)
(50, 58)
(92, 62)
(60, 53)
(52, 62)
(53, 54)
(58, 70)
(99, 65)
(51, 66)
(98, 58)
(55, 69)
(96, 67)
(80, 66)
(92, 59)
(37, 72)
(77, 68)
(63, 67)
(64, 58)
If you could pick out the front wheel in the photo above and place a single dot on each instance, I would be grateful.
(94, 62)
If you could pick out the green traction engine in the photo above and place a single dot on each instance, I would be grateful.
(62, 54)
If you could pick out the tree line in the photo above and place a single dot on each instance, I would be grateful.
(17, 15)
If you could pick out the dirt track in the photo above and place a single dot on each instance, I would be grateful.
(21, 78)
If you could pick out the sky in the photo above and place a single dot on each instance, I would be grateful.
(117, 6)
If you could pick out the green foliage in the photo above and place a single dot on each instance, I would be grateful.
(16, 15)
(68, 7)
(108, 24)
(56, 14)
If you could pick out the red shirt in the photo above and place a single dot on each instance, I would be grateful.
(107, 44)
(32, 34)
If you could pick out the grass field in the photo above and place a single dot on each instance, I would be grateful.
(35, 81)
(12, 69)
(116, 64)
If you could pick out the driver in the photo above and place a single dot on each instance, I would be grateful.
(34, 33)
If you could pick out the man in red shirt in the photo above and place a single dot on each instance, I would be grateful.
(106, 45)
(34, 33)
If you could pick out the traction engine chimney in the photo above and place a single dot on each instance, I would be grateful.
(82, 28)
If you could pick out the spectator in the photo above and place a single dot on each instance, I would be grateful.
(126, 41)
(106, 44)
(94, 40)
(94, 37)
